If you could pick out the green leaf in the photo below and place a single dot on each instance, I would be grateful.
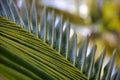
(23, 50)
(44, 59)
(12, 74)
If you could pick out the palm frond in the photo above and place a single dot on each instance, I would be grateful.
(23, 52)
(56, 31)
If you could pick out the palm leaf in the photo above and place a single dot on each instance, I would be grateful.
(55, 31)
(34, 55)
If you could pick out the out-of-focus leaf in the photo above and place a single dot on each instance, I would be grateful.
(24, 14)
(7, 9)
(51, 28)
(116, 75)
(33, 15)
(59, 32)
(98, 66)
(90, 62)
(80, 63)
(43, 25)
(108, 68)
(65, 39)
(16, 14)
(2, 10)
(72, 54)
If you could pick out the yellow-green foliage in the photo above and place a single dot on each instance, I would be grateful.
(23, 56)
